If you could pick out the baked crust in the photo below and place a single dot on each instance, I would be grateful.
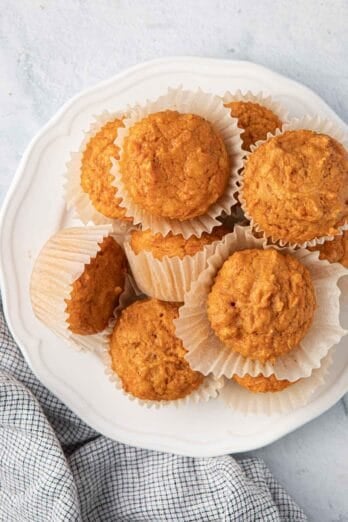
(261, 304)
(148, 357)
(296, 186)
(173, 245)
(262, 384)
(335, 251)
(255, 120)
(95, 294)
(96, 179)
(174, 165)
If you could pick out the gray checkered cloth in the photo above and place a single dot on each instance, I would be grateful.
(55, 468)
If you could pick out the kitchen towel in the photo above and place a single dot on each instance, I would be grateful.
(53, 467)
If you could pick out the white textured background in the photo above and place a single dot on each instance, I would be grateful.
(50, 50)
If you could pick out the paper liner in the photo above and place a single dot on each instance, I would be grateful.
(270, 403)
(76, 198)
(169, 278)
(60, 262)
(207, 354)
(209, 389)
(260, 98)
(316, 124)
(211, 108)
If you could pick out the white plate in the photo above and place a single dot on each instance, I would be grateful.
(34, 210)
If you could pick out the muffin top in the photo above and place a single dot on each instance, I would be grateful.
(147, 356)
(261, 304)
(174, 165)
(335, 251)
(262, 384)
(255, 119)
(96, 179)
(95, 294)
(173, 245)
(296, 186)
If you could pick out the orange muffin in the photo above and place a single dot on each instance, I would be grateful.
(96, 179)
(148, 357)
(335, 251)
(261, 304)
(262, 384)
(174, 165)
(296, 186)
(95, 294)
(173, 245)
(255, 120)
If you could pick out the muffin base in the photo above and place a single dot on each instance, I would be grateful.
(169, 278)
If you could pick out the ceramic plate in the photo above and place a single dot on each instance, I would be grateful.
(35, 209)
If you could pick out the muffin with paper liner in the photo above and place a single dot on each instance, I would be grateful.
(294, 187)
(76, 284)
(164, 267)
(179, 158)
(262, 395)
(261, 304)
(146, 360)
(88, 185)
(257, 115)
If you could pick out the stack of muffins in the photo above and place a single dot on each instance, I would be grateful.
(217, 243)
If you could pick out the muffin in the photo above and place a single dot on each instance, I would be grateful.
(262, 384)
(255, 120)
(262, 313)
(76, 283)
(295, 186)
(173, 245)
(147, 356)
(96, 180)
(261, 304)
(335, 251)
(174, 165)
(164, 267)
(95, 294)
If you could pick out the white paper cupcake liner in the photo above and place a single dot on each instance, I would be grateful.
(76, 198)
(262, 99)
(209, 389)
(316, 124)
(59, 264)
(169, 278)
(207, 354)
(270, 403)
(212, 109)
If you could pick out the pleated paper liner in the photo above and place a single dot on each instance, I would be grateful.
(207, 354)
(212, 109)
(260, 98)
(270, 403)
(316, 124)
(60, 262)
(169, 278)
(76, 198)
(209, 389)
